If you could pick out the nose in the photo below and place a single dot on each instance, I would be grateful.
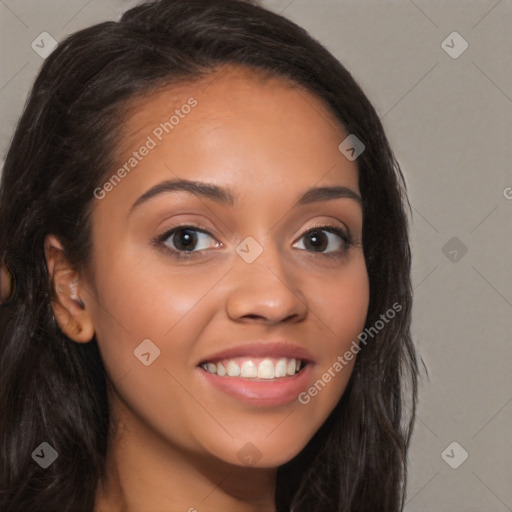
(265, 291)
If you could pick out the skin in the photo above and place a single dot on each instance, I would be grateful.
(175, 439)
(6, 284)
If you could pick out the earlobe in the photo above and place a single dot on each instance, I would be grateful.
(68, 297)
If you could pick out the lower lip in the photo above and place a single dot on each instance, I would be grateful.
(270, 393)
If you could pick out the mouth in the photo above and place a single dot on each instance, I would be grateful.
(260, 373)
(266, 391)
(258, 369)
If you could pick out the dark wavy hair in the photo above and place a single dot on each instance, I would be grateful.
(53, 389)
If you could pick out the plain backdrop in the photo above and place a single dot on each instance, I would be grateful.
(446, 103)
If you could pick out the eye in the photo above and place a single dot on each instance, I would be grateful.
(185, 241)
(320, 238)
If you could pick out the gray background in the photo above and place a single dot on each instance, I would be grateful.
(449, 121)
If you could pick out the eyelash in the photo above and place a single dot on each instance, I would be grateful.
(159, 241)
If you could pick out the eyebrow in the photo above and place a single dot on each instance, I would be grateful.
(226, 197)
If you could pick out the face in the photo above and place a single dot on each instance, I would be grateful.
(244, 272)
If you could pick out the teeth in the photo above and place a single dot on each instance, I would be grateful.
(266, 368)
(249, 369)
(281, 368)
(220, 369)
(233, 369)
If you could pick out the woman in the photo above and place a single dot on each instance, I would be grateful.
(260, 359)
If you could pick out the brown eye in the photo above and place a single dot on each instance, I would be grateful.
(316, 241)
(183, 241)
(321, 238)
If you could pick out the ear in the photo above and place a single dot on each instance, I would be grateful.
(69, 300)
(7, 284)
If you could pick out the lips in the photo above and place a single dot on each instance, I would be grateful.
(269, 386)
(261, 349)
(260, 392)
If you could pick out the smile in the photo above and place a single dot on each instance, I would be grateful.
(266, 368)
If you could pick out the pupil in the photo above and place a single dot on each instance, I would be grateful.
(317, 242)
(188, 239)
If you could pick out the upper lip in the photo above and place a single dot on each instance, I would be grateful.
(262, 348)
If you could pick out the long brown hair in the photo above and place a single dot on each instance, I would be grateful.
(52, 389)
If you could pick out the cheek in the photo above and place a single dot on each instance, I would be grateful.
(342, 303)
(169, 309)
(141, 297)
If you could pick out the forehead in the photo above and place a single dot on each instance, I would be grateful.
(260, 135)
(229, 92)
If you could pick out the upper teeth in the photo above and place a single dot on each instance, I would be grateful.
(266, 368)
